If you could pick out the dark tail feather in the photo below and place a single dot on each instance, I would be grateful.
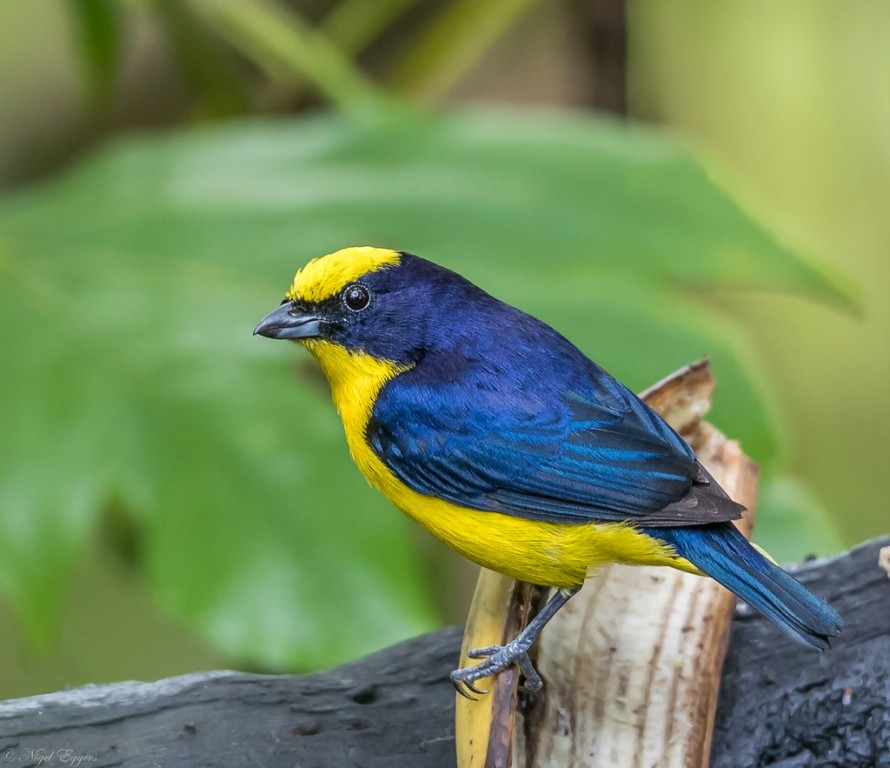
(724, 554)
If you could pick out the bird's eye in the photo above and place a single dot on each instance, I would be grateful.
(356, 297)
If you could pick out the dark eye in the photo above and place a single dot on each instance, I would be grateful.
(356, 297)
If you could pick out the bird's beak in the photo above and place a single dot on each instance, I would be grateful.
(286, 322)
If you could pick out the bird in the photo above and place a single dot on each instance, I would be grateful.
(498, 435)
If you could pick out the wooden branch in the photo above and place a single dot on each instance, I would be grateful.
(786, 706)
(393, 708)
(779, 705)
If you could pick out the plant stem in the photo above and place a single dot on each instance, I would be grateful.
(352, 25)
(288, 49)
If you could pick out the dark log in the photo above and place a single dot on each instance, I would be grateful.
(782, 705)
(393, 708)
(779, 705)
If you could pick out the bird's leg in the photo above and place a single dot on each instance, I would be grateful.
(499, 657)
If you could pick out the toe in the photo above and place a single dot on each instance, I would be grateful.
(483, 653)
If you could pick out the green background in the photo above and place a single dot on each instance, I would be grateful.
(176, 495)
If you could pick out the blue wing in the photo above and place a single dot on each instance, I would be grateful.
(489, 440)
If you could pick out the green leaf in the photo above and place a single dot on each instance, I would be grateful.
(129, 289)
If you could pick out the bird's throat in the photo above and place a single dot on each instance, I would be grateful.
(356, 379)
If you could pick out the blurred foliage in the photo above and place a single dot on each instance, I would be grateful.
(128, 289)
(98, 26)
(211, 38)
(792, 100)
(788, 511)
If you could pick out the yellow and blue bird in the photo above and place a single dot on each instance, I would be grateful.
(498, 435)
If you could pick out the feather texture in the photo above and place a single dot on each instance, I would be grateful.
(501, 413)
(724, 554)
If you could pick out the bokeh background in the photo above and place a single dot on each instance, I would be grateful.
(660, 180)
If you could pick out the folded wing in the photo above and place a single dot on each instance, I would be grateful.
(593, 453)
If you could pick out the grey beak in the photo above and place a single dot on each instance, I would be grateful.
(287, 322)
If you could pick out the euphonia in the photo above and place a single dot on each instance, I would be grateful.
(498, 435)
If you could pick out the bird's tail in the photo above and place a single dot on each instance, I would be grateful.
(723, 553)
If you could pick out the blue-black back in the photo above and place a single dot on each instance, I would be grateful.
(500, 412)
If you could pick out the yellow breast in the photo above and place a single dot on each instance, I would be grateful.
(554, 554)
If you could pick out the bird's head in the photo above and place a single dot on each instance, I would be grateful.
(389, 305)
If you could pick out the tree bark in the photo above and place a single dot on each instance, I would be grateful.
(779, 705)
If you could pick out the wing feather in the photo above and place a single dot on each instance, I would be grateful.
(593, 453)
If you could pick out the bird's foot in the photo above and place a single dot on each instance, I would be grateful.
(500, 657)
(497, 659)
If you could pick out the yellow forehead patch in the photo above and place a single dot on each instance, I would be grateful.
(325, 277)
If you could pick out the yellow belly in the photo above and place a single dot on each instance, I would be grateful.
(555, 554)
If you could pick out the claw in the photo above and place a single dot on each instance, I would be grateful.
(459, 687)
(463, 680)
(474, 689)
